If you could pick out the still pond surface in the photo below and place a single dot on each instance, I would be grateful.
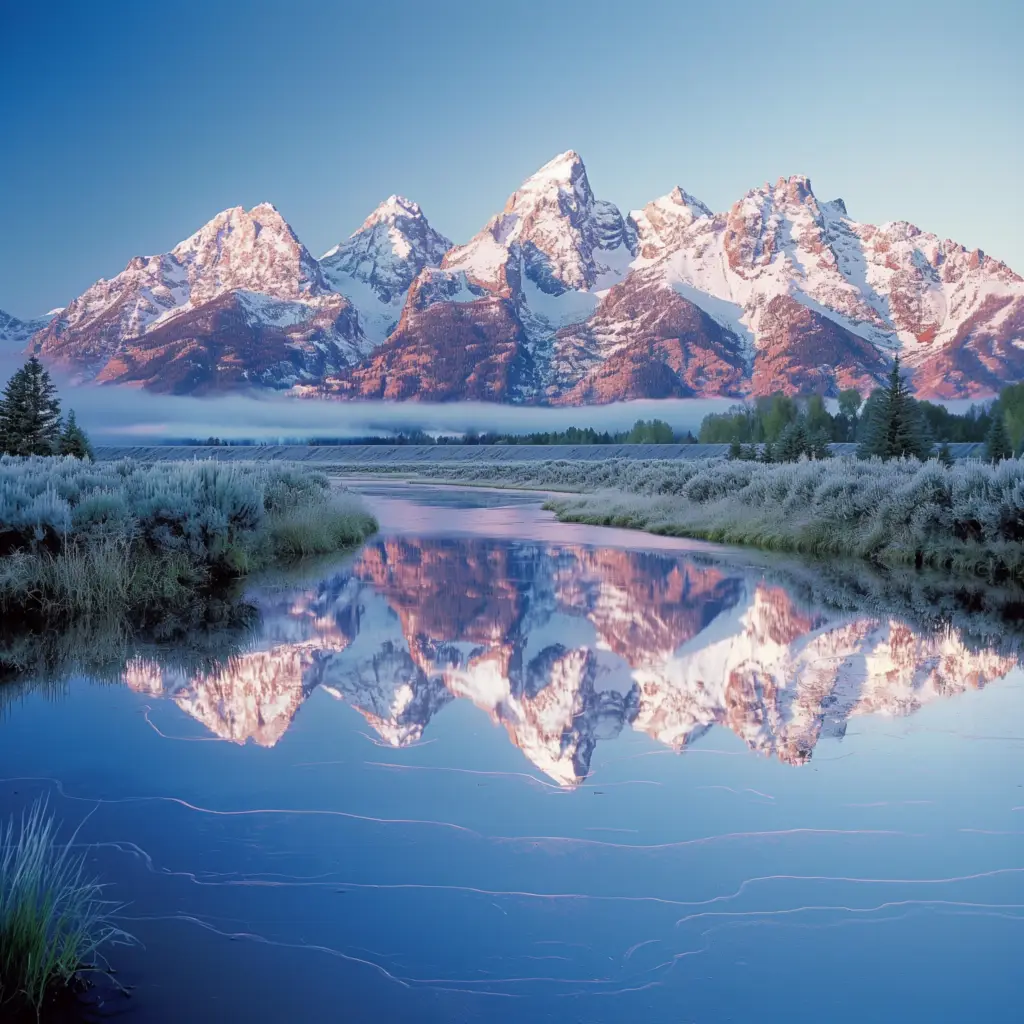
(494, 768)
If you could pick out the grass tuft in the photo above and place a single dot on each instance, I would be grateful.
(53, 917)
(319, 531)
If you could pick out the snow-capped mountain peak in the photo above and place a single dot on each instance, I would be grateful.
(558, 298)
(376, 265)
(553, 232)
(661, 224)
(391, 209)
(565, 172)
(255, 249)
(240, 302)
(680, 197)
(15, 333)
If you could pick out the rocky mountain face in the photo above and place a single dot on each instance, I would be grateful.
(566, 646)
(15, 334)
(561, 298)
(239, 303)
(377, 265)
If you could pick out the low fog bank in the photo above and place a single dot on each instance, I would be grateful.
(126, 416)
(120, 415)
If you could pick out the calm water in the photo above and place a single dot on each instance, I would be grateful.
(493, 768)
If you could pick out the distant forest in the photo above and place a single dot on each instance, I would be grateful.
(642, 432)
(760, 421)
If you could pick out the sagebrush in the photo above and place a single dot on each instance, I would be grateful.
(84, 538)
(968, 517)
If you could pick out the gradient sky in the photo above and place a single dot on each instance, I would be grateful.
(126, 126)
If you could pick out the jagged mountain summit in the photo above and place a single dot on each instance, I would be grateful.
(822, 301)
(239, 303)
(376, 265)
(559, 299)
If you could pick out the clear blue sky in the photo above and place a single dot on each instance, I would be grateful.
(125, 126)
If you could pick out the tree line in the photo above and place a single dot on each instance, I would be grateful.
(30, 418)
(653, 431)
(890, 424)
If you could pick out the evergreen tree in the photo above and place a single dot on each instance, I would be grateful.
(30, 412)
(892, 426)
(997, 441)
(818, 445)
(792, 443)
(945, 456)
(735, 450)
(73, 439)
(1011, 401)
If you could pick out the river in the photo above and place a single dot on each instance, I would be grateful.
(495, 768)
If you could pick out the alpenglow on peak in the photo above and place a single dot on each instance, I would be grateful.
(558, 299)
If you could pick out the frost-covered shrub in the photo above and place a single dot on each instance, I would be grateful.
(969, 516)
(64, 521)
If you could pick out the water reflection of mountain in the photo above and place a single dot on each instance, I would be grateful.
(565, 646)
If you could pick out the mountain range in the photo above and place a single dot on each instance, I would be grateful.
(560, 299)
(564, 647)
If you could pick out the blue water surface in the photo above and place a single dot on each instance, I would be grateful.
(493, 768)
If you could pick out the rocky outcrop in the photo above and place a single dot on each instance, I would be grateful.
(233, 341)
(449, 351)
(983, 355)
(647, 341)
(801, 351)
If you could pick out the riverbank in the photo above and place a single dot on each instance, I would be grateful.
(967, 519)
(84, 540)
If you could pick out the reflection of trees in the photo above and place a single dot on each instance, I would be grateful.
(986, 617)
(198, 639)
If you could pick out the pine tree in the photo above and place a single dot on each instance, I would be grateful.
(73, 440)
(793, 442)
(818, 445)
(30, 412)
(894, 427)
(735, 450)
(997, 441)
(945, 456)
